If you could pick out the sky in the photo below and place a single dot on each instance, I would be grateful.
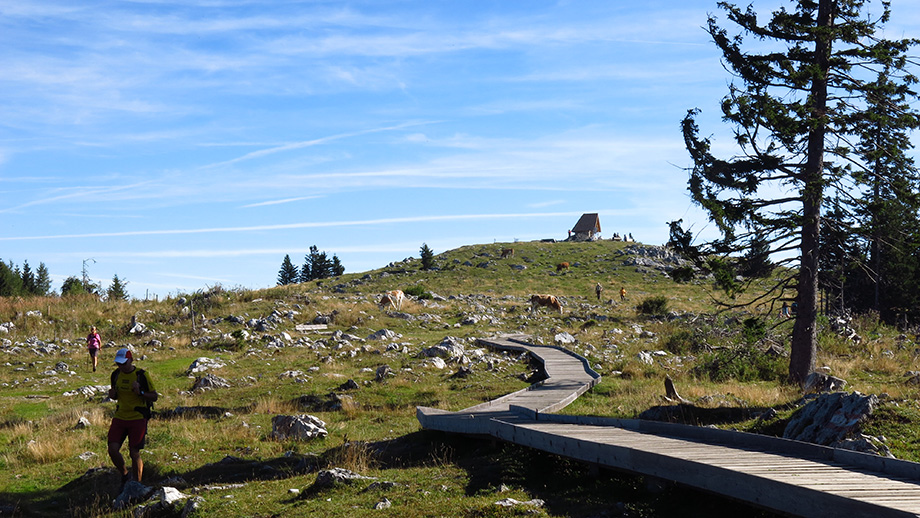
(182, 145)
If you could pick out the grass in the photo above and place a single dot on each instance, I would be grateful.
(46, 463)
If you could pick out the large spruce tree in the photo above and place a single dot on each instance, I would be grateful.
(790, 105)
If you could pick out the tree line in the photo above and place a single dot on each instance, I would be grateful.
(16, 281)
(820, 173)
(317, 265)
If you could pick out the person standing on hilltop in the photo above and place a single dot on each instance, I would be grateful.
(623, 293)
(597, 290)
(134, 391)
(93, 344)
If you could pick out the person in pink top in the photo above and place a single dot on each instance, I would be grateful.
(93, 343)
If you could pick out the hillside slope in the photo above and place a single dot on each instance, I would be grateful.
(266, 358)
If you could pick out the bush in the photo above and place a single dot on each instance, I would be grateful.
(684, 341)
(742, 363)
(653, 306)
(418, 292)
(682, 274)
(753, 330)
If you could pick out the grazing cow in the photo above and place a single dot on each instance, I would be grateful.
(393, 298)
(562, 266)
(545, 300)
(507, 252)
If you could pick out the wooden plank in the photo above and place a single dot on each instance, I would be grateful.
(788, 476)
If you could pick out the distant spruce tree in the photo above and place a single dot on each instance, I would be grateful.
(337, 267)
(317, 265)
(288, 273)
(42, 280)
(427, 257)
(10, 280)
(28, 279)
(116, 290)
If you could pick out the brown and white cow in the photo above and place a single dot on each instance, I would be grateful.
(507, 252)
(562, 266)
(392, 298)
(549, 301)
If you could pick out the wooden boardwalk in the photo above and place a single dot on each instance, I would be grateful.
(790, 477)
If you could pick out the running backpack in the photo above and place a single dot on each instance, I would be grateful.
(147, 410)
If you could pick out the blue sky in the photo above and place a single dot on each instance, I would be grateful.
(182, 145)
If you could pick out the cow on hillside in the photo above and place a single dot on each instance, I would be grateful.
(549, 301)
(562, 266)
(392, 298)
(507, 252)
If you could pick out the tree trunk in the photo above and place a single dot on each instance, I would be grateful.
(804, 332)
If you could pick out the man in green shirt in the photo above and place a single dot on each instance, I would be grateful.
(134, 391)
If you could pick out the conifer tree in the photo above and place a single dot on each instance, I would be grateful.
(42, 280)
(427, 256)
(117, 290)
(337, 267)
(790, 107)
(28, 279)
(10, 280)
(288, 273)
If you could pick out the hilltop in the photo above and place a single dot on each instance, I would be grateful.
(266, 354)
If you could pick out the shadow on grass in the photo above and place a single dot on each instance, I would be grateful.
(568, 487)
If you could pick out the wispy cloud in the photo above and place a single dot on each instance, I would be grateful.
(309, 143)
(279, 202)
(290, 226)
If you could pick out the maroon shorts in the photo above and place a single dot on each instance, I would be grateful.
(135, 430)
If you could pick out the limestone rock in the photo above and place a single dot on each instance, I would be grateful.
(300, 427)
(132, 493)
(821, 382)
(336, 476)
(209, 382)
(830, 418)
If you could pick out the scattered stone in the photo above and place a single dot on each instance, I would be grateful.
(132, 493)
(821, 382)
(383, 504)
(436, 363)
(202, 364)
(349, 385)
(191, 507)
(300, 427)
(87, 455)
(384, 334)
(645, 357)
(564, 338)
(209, 382)
(383, 372)
(168, 495)
(461, 373)
(328, 478)
(136, 328)
(510, 502)
(450, 349)
(82, 423)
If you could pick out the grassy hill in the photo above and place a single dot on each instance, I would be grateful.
(216, 444)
